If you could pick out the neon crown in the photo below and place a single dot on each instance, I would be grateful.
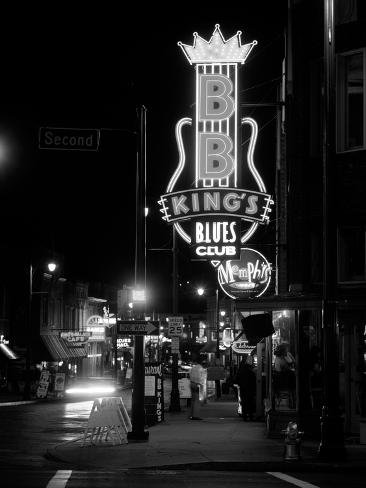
(217, 49)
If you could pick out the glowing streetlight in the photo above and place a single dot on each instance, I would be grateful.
(51, 267)
(200, 291)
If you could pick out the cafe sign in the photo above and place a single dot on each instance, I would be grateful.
(218, 214)
(246, 277)
(75, 338)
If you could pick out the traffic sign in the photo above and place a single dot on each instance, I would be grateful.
(175, 326)
(138, 327)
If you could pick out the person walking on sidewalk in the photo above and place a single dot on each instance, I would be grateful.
(197, 378)
(246, 380)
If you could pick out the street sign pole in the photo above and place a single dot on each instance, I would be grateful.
(175, 330)
(138, 432)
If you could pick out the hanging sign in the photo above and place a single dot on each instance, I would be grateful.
(222, 214)
(242, 347)
(247, 277)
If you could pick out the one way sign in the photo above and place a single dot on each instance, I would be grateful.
(138, 327)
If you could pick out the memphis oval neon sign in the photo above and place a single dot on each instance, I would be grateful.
(246, 277)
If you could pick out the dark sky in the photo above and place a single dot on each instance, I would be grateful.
(91, 67)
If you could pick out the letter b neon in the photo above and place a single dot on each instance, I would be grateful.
(215, 160)
(215, 102)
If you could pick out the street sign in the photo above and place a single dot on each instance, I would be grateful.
(175, 326)
(175, 345)
(138, 327)
(69, 139)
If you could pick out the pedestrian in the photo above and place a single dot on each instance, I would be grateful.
(284, 377)
(197, 377)
(246, 380)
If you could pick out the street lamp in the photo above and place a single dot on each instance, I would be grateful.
(200, 292)
(51, 266)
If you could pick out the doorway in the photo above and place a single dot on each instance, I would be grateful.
(352, 369)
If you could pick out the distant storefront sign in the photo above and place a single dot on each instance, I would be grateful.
(95, 326)
(75, 339)
(242, 347)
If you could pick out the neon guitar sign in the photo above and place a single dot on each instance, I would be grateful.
(222, 215)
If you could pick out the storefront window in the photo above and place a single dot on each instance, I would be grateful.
(310, 350)
(284, 360)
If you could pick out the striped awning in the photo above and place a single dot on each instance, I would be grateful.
(60, 350)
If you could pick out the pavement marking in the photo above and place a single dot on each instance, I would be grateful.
(291, 479)
(60, 479)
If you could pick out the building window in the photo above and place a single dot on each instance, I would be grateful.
(351, 255)
(351, 105)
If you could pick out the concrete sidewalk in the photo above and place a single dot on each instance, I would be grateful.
(221, 441)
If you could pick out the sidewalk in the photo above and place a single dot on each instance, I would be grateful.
(221, 441)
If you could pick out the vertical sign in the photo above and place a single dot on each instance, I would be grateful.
(154, 394)
(222, 214)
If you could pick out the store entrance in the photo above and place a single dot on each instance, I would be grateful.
(352, 369)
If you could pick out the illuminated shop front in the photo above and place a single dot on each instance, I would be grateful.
(288, 362)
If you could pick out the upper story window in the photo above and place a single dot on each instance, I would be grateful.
(351, 101)
(352, 255)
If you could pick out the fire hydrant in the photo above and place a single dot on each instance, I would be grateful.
(292, 442)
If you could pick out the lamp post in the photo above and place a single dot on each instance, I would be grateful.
(200, 292)
(217, 382)
(332, 439)
(28, 358)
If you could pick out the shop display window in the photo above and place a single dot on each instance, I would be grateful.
(284, 360)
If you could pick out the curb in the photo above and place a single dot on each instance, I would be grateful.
(22, 402)
(248, 466)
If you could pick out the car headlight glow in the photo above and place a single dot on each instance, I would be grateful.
(90, 390)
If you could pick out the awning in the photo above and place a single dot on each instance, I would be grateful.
(7, 351)
(60, 350)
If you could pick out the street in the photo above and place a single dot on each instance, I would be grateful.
(27, 431)
(63, 477)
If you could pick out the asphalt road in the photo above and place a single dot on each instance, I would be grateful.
(28, 430)
(65, 477)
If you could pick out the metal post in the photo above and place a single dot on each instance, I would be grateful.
(331, 445)
(174, 396)
(217, 382)
(27, 384)
(115, 351)
(138, 432)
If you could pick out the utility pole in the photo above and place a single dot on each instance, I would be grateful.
(331, 445)
(174, 396)
(217, 318)
(138, 432)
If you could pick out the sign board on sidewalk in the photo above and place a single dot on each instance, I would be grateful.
(44, 383)
(184, 386)
(108, 418)
(138, 327)
(69, 139)
(175, 326)
(59, 381)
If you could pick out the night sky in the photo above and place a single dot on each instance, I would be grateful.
(92, 68)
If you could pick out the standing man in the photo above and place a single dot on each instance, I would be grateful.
(197, 380)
